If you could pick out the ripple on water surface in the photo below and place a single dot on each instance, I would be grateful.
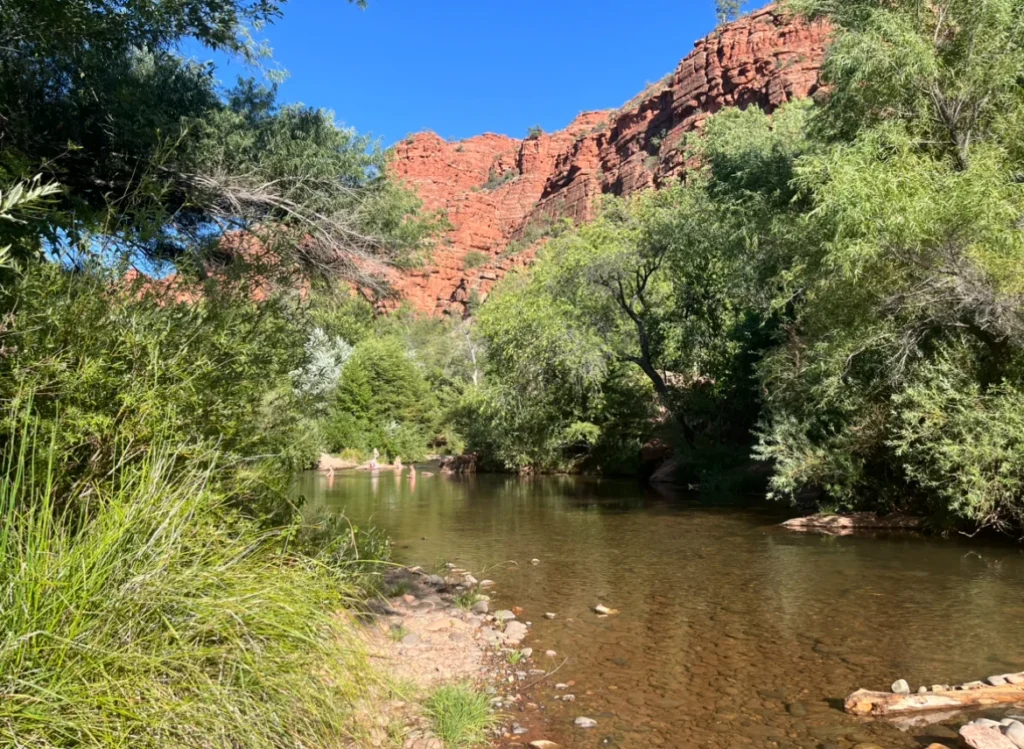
(732, 632)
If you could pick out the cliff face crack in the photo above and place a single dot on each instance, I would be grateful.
(763, 60)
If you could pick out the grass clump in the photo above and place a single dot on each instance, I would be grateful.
(459, 715)
(466, 599)
(140, 612)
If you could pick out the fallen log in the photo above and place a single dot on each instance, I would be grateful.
(866, 702)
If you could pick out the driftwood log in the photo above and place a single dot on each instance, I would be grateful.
(866, 702)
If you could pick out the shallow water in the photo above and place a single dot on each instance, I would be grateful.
(732, 631)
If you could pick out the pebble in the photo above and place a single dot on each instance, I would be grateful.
(480, 607)
(1015, 733)
(997, 681)
(985, 722)
(568, 698)
(601, 609)
(518, 730)
(436, 580)
(922, 690)
(550, 653)
(797, 709)
(583, 722)
(900, 686)
(561, 686)
(526, 652)
(487, 584)
(534, 561)
(544, 744)
(866, 746)
(470, 580)
(940, 687)
(504, 615)
(549, 615)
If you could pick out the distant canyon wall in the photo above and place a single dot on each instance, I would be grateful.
(499, 191)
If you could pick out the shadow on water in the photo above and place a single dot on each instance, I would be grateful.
(732, 632)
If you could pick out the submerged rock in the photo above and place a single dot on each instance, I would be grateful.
(583, 722)
(900, 686)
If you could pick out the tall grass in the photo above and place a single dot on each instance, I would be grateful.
(136, 612)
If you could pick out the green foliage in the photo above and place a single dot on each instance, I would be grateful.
(474, 259)
(534, 132)
(459, 715)
(382, 402)
(114, 368)
(727, 10)
(496, 179)
(157, 162)
(145, 618)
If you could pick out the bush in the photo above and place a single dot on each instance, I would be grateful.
(496, 179)
(534, 132)
(113, 368)
(474, 259)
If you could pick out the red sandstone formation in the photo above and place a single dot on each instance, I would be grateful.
(497, 190)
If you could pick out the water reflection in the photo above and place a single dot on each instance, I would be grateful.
(732, 632)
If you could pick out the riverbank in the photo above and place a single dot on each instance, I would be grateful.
(437, 632)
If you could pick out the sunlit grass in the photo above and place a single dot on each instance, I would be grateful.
(138, 612)
(459, 715)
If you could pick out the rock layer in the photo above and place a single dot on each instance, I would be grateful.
(499, 191)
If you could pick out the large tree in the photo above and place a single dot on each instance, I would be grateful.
(157, 161)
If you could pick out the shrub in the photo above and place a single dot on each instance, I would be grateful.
(534, 132)
(474, 259)
(496, 179)
(114, 368)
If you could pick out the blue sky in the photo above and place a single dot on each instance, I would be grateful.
(463, 67)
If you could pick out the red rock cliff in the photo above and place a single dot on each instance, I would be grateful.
(498, 190)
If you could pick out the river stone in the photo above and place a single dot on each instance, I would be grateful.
(480, 607)
(582, 722)
(504, 615)
(922, 690)
(797, 709)
(866, 746)
(436, 580)
(527, 652)
(550, 653)
(1015, 733)
(549, 615)
(515, 632)
(900, 686)
(986, 723)
(997, 681)
(544, 744)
